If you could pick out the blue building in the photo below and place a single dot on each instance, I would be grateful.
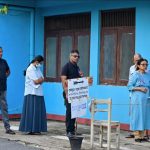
(106, 32)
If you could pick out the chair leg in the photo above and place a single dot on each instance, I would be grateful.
(108, 137)
(118, 137)
(92, 134)
(101, 136)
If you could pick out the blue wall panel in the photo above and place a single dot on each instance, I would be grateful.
(15, 40)
(143, 30)
(53, 98)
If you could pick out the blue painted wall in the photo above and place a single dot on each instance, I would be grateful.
(16, 32)
(53, 91)
(119, 94)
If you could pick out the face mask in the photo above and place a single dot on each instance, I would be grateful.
(38, 65)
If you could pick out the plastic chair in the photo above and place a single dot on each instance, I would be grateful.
(108, 124)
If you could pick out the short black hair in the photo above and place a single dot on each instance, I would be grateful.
(38, 58)
(139, 62)
(74, 51)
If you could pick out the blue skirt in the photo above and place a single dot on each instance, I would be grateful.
(33, 118)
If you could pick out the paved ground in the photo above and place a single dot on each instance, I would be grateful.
(6, 144)
(55, 138)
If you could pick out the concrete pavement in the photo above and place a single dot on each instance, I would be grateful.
(6, 144)
(55, 138)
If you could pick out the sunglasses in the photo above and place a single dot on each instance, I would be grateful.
(75, 56)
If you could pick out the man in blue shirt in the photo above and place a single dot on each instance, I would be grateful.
(4, 73)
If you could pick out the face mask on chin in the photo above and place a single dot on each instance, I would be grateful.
(38, 65)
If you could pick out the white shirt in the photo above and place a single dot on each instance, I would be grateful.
(132, 70)
(33, 73)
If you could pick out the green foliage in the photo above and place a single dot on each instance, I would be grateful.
(4, 10)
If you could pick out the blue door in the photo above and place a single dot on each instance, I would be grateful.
(15, 41)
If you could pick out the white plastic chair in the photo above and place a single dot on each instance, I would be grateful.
(104, 123)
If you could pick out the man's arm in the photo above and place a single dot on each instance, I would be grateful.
(39, 81)
(64, 83)
(7, 68)
(7, 73)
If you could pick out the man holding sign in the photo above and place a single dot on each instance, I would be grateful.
(78, 94)
(70, 71)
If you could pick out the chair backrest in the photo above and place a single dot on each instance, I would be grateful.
(96, 102)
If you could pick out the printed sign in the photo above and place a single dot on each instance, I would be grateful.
(78, 93)
(78, 108)
(78, 89)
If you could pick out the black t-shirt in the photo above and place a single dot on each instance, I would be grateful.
(71, 71)
(3, 78)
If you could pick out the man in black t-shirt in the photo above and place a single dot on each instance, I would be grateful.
(70, 71)
(4, 73)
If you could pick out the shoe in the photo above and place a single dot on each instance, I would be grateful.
(34, 133)
(9, 131)
(138, 140)
(145, 140)
(146, 137)
(31, 133)
(130, 136)
(70, 135)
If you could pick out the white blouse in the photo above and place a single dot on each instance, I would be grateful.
(132, 70)
(33, 73)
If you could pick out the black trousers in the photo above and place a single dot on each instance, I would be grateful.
(70, 123)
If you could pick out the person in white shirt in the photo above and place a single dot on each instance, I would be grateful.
(133, 67)
(33, 118)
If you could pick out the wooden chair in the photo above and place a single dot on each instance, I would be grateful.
(108, 124)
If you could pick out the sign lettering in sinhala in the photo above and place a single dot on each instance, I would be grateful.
(78, 93)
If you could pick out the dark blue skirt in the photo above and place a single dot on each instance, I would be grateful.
(33, 118)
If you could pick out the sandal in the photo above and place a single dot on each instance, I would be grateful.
(146, 137)
(138, 140)
(130, 136)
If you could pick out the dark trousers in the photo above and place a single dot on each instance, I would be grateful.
(70, 123)
(4, 109)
